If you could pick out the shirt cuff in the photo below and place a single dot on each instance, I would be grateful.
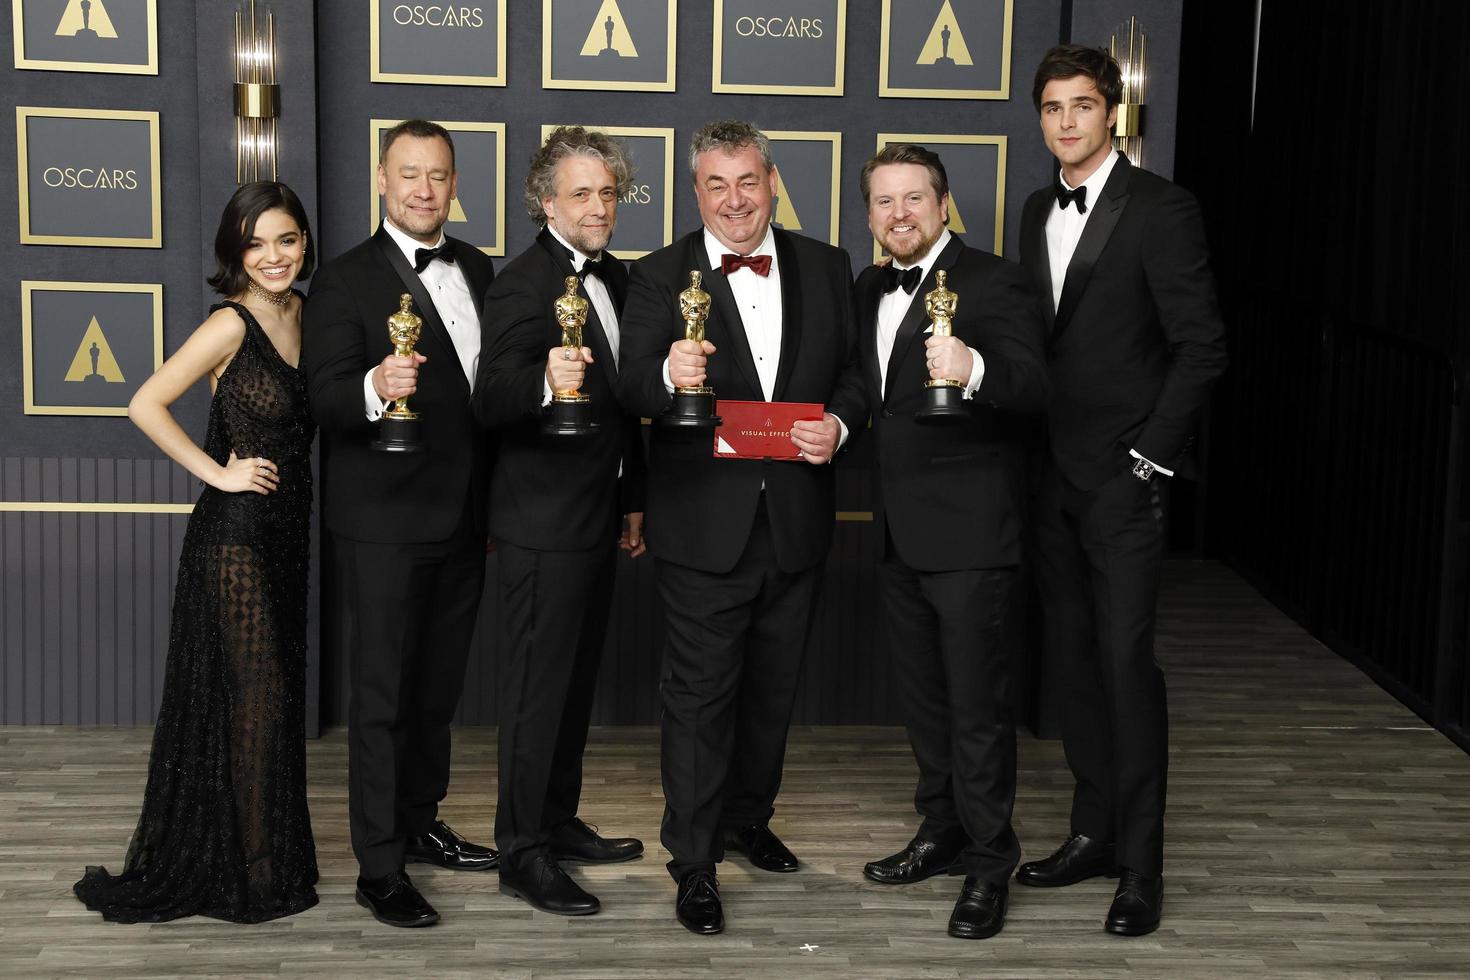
(374, 405)
(545, 391)
(977, 373)
(668, 381)
(841, 434)
(1157, 468)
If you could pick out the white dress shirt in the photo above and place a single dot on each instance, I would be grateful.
(450, 293)
(1064, 227)
(602, 302)
(758, 298)
(894, 306)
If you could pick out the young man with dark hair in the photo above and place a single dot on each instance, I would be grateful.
(1135, 343)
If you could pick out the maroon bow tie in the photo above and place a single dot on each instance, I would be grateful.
(759, 264)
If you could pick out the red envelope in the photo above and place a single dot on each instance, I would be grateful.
(760, 430)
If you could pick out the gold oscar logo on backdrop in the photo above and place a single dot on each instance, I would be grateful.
(785, 211)
(93, 361)
(85, 18)
(945, 44)
(956, 223)
(456, 210)
(609, 37)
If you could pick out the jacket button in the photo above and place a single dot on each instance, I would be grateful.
(888, 413)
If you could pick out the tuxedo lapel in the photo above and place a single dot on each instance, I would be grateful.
(411, 282)
(593, 333)
(1038, 256)
(1099, 228)
(790, 313)
(478, 285)
(868, 300)
(916, 320)
(730, 326)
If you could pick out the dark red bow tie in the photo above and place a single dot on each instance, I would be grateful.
(759, 264)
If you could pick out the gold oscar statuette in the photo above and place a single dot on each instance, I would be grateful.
(694, 405)
(944, 397)
(399, 428)
(570, 411)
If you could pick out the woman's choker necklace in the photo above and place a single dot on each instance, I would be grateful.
(255, 289)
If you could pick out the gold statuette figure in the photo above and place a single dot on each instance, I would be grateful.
(398, 429)
(571, 411)
(943, 397)
(694, 405)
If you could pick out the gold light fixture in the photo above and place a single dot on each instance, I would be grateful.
(257, 96)
(1129, 48)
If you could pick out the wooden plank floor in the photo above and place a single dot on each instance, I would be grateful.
(1316, 828)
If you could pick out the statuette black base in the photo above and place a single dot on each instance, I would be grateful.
(569, 418)
(943, 405)
(693, 408)
(399, 436)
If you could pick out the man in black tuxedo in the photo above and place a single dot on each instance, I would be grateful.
(409, 527)
(1136, 341)
(739, 542)
(950, 502)
(557, 504)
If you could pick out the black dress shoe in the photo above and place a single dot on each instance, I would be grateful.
(575, 841)
(1078, 859)
(447, 849)
(981, 910)
(395, 902)
(921, 859)
(1137, 905)
(543, 883)
(763, 848)
(698, 905)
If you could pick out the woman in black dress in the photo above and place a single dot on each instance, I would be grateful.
(224, 830)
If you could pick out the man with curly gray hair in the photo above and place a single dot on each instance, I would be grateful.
(558, 507)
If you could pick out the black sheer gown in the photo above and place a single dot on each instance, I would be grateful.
(224, 830)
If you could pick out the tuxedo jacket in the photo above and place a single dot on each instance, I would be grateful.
(953, 497)
(701, 509)
(548, 492)
(1137, 340)
(394, 498)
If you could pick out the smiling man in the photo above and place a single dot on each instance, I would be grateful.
(739, 543)
(408, 528)
(1136, 342)
(950, 506)
(557, 507)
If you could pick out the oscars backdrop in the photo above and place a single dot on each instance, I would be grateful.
(124, 128)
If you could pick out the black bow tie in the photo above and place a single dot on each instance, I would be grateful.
(909, 279)
(598, 267)
(423, 256)
(1079, 196)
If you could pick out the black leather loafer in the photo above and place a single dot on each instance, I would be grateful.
(762, 847)
(395, 902)
(1138, 904)
(542, 882)
(447, 849)
(921, 859)
(1078, 859)
(575, 841)
(981, 910)
(698, 905)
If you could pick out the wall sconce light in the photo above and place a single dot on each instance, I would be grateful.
(257, 96)
(1129, 48)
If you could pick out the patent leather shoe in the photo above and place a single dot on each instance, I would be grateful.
(394, 901)
(444, 847)
(981, 910)
(542, 882)
(576, 841)
(1138, 904)
(762, 847)
(698, 905)
(1078, 859)
(919, 860)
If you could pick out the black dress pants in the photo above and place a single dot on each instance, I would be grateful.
(1099, 558)
(732, 663)
(413, 608)
(554, 608)
(951, 675)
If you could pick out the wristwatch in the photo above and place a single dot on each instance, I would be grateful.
(1144, 470)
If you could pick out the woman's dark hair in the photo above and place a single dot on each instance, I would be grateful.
(237, 227)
